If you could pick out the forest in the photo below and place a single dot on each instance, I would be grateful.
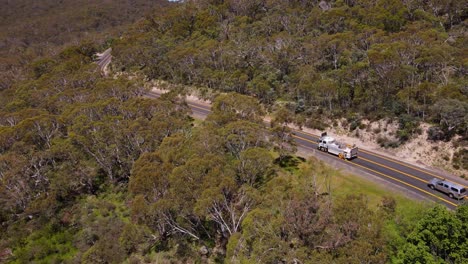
(348, 58)
(93, 171)
(33, 29)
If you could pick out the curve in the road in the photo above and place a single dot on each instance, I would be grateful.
(400, 173)
(104, 59)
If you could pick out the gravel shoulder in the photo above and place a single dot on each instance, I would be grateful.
(418, 152)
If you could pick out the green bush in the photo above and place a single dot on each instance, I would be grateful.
(48, 245)
(42, 66)
(460, 159)
(315, 124)
(385, 142)
(408, 126)
(435, 133)
(354, 124)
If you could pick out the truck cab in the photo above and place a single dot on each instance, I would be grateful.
(330, 145)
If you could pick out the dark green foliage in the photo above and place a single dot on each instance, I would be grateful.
(75, 134)
(91, 171)
(460, 159)
(385, 142)
(102, 237)
(51, 244)
(435, 133)
(41, 67)
(452, 115)
(289, 163)
(408, 126)
(32, 30)
(385, 58)
(299, 220)
(354, 125)
(199, 187)
(439, 237)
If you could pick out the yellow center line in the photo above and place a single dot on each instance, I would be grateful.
(395, 170)
(391, 160)
(409, 166)
(377, 172)
(408, 184)
(390, 177)
(306, 147)
(376, 163)
(306, 139)
(201, 108)
(368, 152)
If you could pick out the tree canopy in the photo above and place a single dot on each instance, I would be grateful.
(368, 59)
(94, 171)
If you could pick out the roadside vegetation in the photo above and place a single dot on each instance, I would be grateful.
(325, 60)
(92, 171)
(30, 30)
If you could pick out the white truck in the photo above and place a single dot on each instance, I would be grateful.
(330, 145)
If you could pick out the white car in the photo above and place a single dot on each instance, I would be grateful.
(453, 190)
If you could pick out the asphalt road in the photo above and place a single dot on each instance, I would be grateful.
(393, 170)
(103, 59)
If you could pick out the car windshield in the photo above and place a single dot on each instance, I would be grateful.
(463, 190)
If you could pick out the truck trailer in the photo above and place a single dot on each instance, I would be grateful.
(330, 145)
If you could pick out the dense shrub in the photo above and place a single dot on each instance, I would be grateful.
(435, 133)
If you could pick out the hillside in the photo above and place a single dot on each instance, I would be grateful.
(94, 171)
(321, 60)
(32, 29)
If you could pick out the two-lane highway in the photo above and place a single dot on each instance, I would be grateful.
(408, 176)
(104, 59)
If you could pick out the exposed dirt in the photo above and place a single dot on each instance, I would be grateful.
(361, 173)
(194, 95)
(418, 151)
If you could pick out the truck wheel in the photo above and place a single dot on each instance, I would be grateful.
(451, 195)
(432, 187)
